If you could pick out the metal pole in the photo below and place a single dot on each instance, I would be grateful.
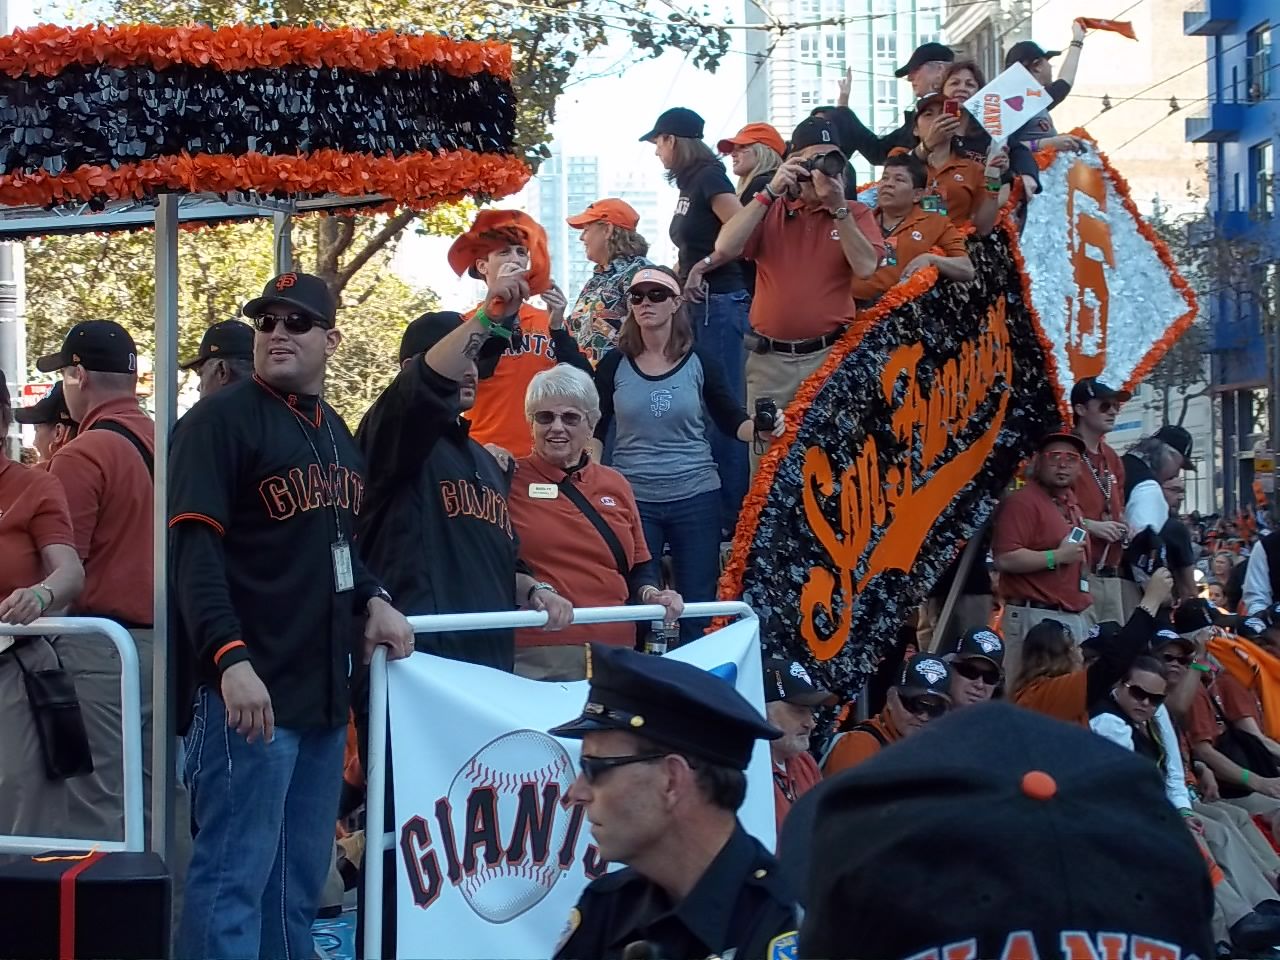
(12, 336)
(164, 687)
(283, 227)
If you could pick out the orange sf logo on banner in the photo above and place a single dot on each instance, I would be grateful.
(1088, 238)
(890, 499)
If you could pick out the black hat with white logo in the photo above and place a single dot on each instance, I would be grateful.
(812, 132)
(788, 681)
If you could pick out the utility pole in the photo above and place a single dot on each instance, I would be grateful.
(13, 327)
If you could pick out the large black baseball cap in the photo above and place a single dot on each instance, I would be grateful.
(302, 291)
(1177, 437)
(975, 643)
(51, 408)
(1017, 825)
(226, 340)
(788, 681)
(101, 345)
(1026, 51)
(813, 131)
(678, 122)
(426, 331)
(926, 53)
(1091, 388)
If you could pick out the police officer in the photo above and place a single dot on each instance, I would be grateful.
(665, 747)
(225, 357)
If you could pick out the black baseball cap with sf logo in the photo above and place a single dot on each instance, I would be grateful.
(101, 345)
(303, 291)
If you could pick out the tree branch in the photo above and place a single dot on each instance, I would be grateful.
(390, 230)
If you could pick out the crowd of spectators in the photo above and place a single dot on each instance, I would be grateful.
(597, 454)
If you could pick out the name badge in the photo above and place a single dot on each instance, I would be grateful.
(343, 578)
(543, 491)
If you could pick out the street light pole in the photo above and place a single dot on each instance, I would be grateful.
(13, 328)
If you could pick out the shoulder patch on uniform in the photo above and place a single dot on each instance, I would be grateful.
(570, 928)
(785, 946)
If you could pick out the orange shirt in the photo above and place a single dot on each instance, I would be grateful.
(798, 775)
(562, 547)
(498, 415)
(33, 515)
(855, 746)
(1102, 471)
(799, 260)
(1062, 698)
(1234, 701)
(919, 232)
(109, 492)
(1031, 519)
(962, 184)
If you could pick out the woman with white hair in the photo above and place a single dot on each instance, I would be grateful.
(579, 528)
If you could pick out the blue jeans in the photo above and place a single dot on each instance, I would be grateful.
(719, 325)
(690, 527)
(265, 816)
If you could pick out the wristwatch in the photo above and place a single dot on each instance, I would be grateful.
(380, 594)
(841, 213)
(539, 585)
(708, 261)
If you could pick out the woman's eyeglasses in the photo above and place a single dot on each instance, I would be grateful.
(593, 768)
(293, 323)
(1142, 693)
(971, 671)
(570, 418)
(653, 295)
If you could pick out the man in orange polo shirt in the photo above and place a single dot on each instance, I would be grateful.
(958, 186)
(809, 243)
(921, 695)
(106, 472)
(911, 232)
(504, 243)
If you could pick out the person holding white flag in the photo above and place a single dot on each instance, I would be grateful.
(664, 750)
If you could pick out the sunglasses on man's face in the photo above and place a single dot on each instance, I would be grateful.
(1184, 660)
(1142, 693)
(972, 671)
(1108, 406)
(1062, 456)
(593, 768)
(653, 295)
(570, 418)
(924, 706)
(293, 322)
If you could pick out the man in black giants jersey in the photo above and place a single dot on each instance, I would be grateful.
(266, 484)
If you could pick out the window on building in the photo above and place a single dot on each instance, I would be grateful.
(809, 45)
(809, 96)
(1262, 178)
(1258, 63)
(833, 44)
(884, 91)
(886, 46)
(810, 10)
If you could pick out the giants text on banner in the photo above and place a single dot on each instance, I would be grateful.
(489, 857)
(1008, 102)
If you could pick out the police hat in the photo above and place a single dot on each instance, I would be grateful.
(670, 702)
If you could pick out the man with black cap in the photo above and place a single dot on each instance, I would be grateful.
(106, 474)
(921, 695)
(976, 659)
(665, 747)
(924, 72)
(790, 696)
(1039, 546)
(225, 356)
(1067, 849)
(54, 427)
(1099, 489)
(265, 488)
(809, 243)
(1148, 465)
(1039, 131)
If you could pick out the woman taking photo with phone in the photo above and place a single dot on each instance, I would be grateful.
(660, 387)
(707, 201)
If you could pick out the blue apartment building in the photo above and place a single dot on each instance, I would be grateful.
(1241, 126)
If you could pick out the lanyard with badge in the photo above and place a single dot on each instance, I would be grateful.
(1106, 481)
(343, 576)
(1077, 523)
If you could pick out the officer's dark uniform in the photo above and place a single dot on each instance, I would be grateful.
(739, 907)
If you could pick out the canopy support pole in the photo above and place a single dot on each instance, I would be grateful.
(284, 242)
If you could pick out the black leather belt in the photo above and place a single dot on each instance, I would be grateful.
(1107, 572)
(1057, 608)
(758, 343)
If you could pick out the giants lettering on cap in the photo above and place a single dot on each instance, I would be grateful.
(286, 280)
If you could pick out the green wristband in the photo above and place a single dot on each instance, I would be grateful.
(1244, 778)
(495, 329)
(1053, 564)
(1201, 667)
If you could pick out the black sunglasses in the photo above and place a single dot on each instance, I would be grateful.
(971, 671)
(924, 706)
(1142, 693)
(570, 418)
(293, 323)
(1109, 406)
(653, 295)
(593, 768)
(1174, 658)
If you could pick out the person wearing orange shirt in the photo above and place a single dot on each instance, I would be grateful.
(921, 696)
(505, 243)
(911, 232)
(790, 696)
(958, 184)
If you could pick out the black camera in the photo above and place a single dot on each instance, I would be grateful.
(766, 414)
(832, 163)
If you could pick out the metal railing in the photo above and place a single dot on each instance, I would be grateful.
(131, 731)
(376, 774)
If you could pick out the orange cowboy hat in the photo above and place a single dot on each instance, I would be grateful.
(489, 232)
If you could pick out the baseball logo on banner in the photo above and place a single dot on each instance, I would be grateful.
(490, 855)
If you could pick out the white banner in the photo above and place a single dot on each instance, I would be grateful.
(489, 858)
(1005, 104)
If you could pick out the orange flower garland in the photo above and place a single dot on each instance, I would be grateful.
(48, 49)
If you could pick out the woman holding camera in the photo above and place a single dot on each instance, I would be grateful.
(657, 385)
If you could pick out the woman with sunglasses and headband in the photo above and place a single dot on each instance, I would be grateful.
(659, 388)
(579, 528)
(1053, 678)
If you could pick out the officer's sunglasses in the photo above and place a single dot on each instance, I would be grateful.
(593, 768)
(293, 323)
